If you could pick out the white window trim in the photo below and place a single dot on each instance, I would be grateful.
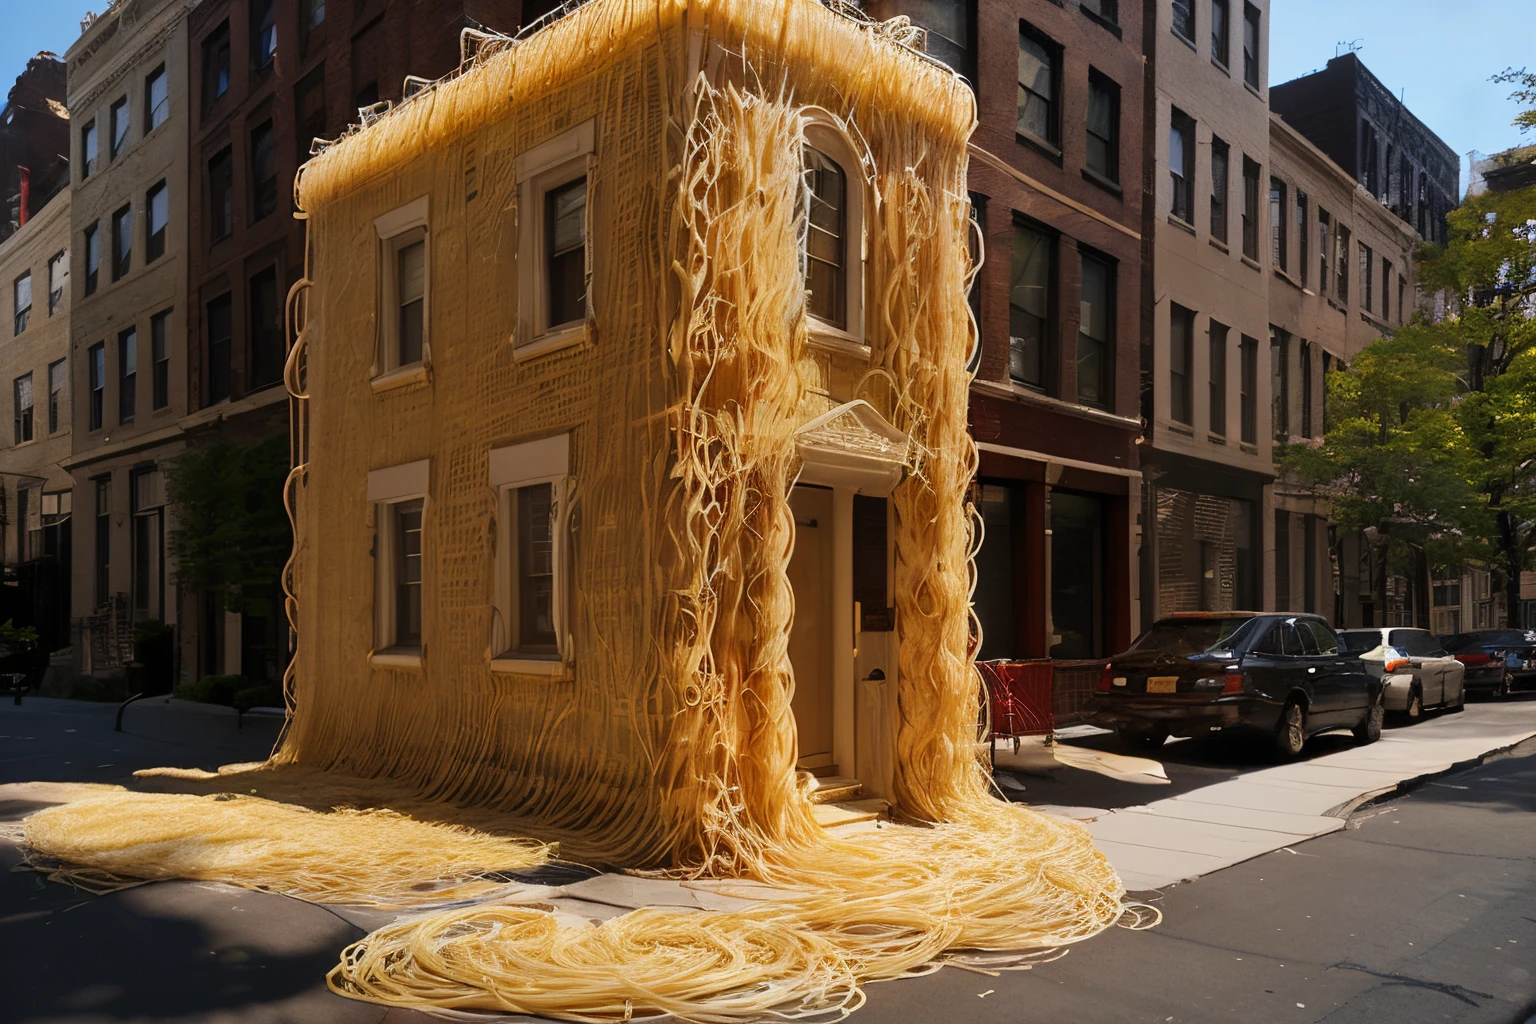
(386, 488)
(547, 166)
(521, 465)
(824, 132)
(393, 230)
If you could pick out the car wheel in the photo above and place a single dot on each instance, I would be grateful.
(1461, 701)
(1369, 730)
(1143, 739)
(1291, 732)
(1415, 709)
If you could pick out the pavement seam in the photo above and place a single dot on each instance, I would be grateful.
(1364, 800)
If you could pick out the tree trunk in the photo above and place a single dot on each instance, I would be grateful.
(1509, 556)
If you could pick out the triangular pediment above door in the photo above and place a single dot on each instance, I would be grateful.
(853, 446)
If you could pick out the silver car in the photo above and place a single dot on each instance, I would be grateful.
(1416, 670)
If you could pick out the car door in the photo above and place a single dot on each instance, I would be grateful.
(1419, 647)
(1342, 683)
(1271, 670)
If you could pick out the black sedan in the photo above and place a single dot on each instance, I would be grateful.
(1285, 677)
(1496, 659)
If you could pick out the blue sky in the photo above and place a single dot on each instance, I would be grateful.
(1437, 53)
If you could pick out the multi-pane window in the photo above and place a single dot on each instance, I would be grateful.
(1220, 161)
(103, 539)
(127, 374)
(1109, 10)
(266, 330)
(21, 392)
(535, 570)
(96, 369)
(1251, 45)
(1402, 298)
(92, 258)
(1095, 338)
(88, 150)
(1221, 33)
(122, 242)
(1181, 360)
(157, 206)
(58, 274)
(58, 380)
(263, 170)
(311, 14)
(1341, 260)
(1184, 18)
(1306, 388)
(1039, 87)
(215, 65)
(1218, 366)
(531, 585)
(1280, 382)
(1250, 209)
(1303, 253)
(119, 118)
(157, 99)
(263, 33)
(410, 302)
(1370, 151)
(160, 359)
(309, 110)
(1367, 278)
(1181, 164)
(1386, 289)
(566, 267)
(948, 23)
(1103, 126)
(1029, 305)
(220, 330)
(1324, 247)
(21, 300)
(826, 251)
(405, 524)
(1279, 218)
(1248, 389)
(221, 195)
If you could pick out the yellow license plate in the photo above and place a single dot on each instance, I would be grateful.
(1162, 684)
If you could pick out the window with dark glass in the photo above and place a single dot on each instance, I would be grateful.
(1324, 243)
(1402, 298)
(1221, 33)
(406, 522)
(1250, 209)
(92, 258)
(221, 195)
(263, 170)
(21, 391)
(535, 568)
(1341, 260)
(309, 110)
(1248, 393)
(266, 330)
(103, 539)
(118, 118)
(1279, 220)
(1251, 45)
(96, 370)
(1181, 361)
(1109, 10)
(826, 241)
(157, 99)
(1181, 164)
(311, 14)
(1103, 126)
(220, 329)
(1220, 185)
(157, 205)
(1306, 388)
(565, 215)
(1280, 382)
(1096, 333)
(263, 33)
(127, 374)
(21, 300)
(122, 242)
(215, 65)
(1367, 278)
(58, 381)
(410, 297)
(974, 245)
(88, 150)
(1039, 87)
(1386, 290)
(58, 274)
(1029, 305)
(1184, 18)
(160, 359)
(1303, 252)
(1218, 361)
(949, 24)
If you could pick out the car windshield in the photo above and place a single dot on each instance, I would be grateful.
(1183, 637)
(1359, 643)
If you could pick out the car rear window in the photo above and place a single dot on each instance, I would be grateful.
(1359, 643)
(1504, 636)
(1184, 637)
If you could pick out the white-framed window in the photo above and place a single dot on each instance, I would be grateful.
(554, 259)
(398, 496)
(404, 350)
(530, 631)
(834, 235)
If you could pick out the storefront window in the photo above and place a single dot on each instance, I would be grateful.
(1077, 576)
(994, 574)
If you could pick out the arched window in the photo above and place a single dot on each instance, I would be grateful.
(834, 243)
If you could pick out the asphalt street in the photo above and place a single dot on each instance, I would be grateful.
(1424, 909)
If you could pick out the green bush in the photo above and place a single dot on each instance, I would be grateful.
(213, 689)
(263, 696)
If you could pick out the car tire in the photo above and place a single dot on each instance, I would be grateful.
(1461, 702)
(1291, 731)
(1415, 709)
(1369, 730)
(1143, 739)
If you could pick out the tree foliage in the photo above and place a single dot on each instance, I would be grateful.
(232, 533)
(1524, 94)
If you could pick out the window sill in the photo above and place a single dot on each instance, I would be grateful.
(1217, 439)
(1041, 146)
(1180, 428)
(1181, 37)
(1338, 308)
(1219, 66)
(1288, 279)
(1253, 89)
(1034, 396)
(1181, 224)
(1374, 321)
(396, 657)
(551, 341)
(1217, 243)
(1095, 178)
(24, 444)
(404, 377)
(1101, 21)
(1249, 449)
(1251, 263)
(551, 667)
(825, 336)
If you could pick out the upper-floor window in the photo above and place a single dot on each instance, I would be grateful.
(1039, 87)
(92, 249)
(1303, 251)
(215, 65)
(1221, 157)
(949, 24)
(1181, 164)
(122, 242)
(220, 327)
(21, 391)
(1341, 260)
(554, 251)
(157, 100)
(1306, 388)
(263, 170)
(1103, 126)
(311, 14)
(1250, 209)
(157, 205)
(1109, 10)
(1324, 249)
(127, 374)
(58, 381)
(826, 244)
(309, 110)
(58, 276)
(531, 482)
(1184, 18)
(1096, 332)
(96, 372)
(1248, 389)
(1279, 222)
(1386, 285)
(88, 149)
(221, 195)
(1280, 382)
(119, 118)
(1216, 337)
(1030, 306)
(404, 286)
(1181, 364)
(266, 330)
(399, 498)
(263, 33)
(21, 294)
(1251, 45)
(160, 359)
(1221, 33)
(1367, 278)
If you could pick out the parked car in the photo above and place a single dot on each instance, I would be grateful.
(1284, 677)
(1413, 666)
(1496, 659)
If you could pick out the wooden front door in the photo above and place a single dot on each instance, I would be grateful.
(811, 636)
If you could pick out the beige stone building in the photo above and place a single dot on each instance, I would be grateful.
(1341, 276)
(128, 106)
(1207, 462)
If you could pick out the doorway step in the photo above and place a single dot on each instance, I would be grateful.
(832, 788)
(840, 816)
